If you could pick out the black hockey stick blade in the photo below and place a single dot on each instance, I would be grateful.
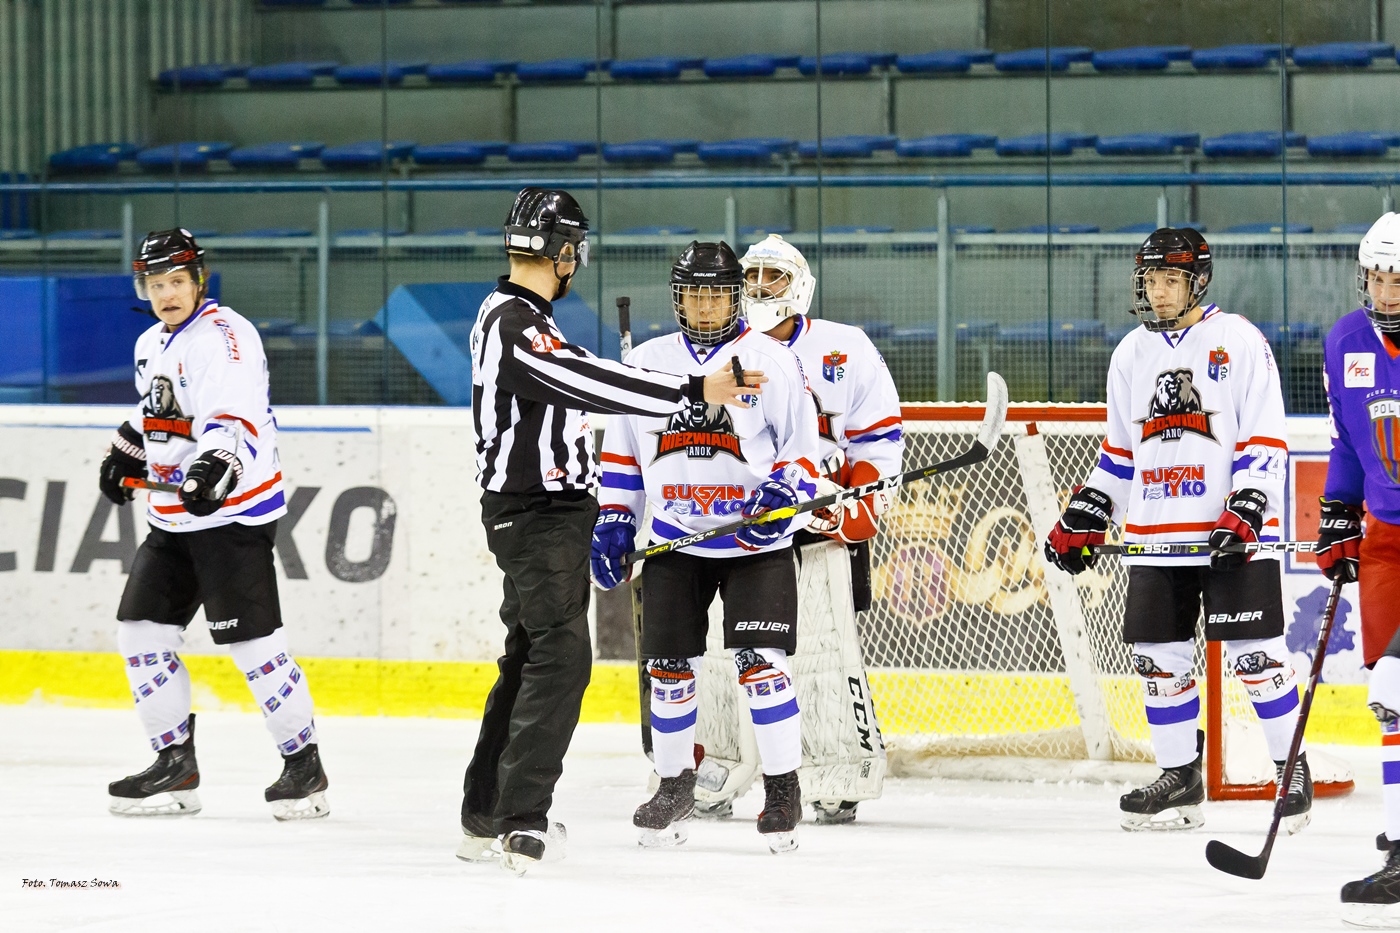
(1231, 860)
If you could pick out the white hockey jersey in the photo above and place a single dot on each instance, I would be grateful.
(857, 404)
(204, 387)
(696, 468)
(1192, 417)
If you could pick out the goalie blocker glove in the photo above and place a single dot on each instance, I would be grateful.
(768, 495)
(1238, 524)
(614, 536)
(1083, 524)
(1339, 541)
(126, 457)
(204, 490)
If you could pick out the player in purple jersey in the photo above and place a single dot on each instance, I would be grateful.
(1362, 374)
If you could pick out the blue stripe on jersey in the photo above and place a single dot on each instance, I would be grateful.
(1241, 463)
(262, 508)
(767, 715)
(1279, 706)
(678, 724)
(631, 481)
(1170, 715)
(894, 435)
(1113, 469)
(1390, 772)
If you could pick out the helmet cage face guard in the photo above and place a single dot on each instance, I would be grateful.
(707, 337)
(1196, 284)
(1387, 322)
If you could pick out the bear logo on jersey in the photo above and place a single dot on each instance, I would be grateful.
(701, 432)
(1176, 408)
(162, 417)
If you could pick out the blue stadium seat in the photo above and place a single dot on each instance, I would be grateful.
(273, 155)
(944, 62)
(368, 154)
(368, 232)
(1355, 229)
(742, 66)
(1277, 332)
(97, 157)
(472, 71)
(960, 229)
(1144, 228)
(1113, 334)
(293, 2)
(759, 149)
(1253, 145)
(643, 151)
(1034, 59)
(378, 73)
(762, 230)
(1140, 58)
(454, 153)
(1056, 228)
(1349, 145)
(558, 69)
(557, 151)
(1236, 56)
(1147, 144)
(110, 234)
(1341, 54)
(19, 234)
(289, 74)
(838, 63)
(193, 76)
(191, 155)
(842, 229)
(379, 2)
(1035, 144)
(1059, 331)
(273, 233)
(847, 147)
(469, 231)
(658, 231)
(661, 68)
(1268, 227)
(945, 145)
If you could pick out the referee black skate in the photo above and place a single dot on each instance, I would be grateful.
(534, 453)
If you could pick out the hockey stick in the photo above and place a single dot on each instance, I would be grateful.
(1233, 861)
(1202, 548)
(634, 591)
(988, 434)
(131, 482)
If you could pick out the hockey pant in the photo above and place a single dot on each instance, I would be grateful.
(160, 684)
(843, 755)
(1173, 699)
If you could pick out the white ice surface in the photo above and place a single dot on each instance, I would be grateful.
(930, 855)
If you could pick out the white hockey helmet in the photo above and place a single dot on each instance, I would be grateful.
(1380, 252)
(769, 298)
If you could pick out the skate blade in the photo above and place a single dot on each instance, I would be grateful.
(1372, 916)
(1172, 819)
(171, 803)
(780, 843)
(479, 849)
(312, 807)
(517, 864)
(1292, 825)
(675, 834)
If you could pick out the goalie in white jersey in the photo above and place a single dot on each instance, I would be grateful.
(860, 436)
(698, 469)
(204, 424)
(1195, 422)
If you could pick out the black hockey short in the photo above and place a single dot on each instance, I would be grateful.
(760, 602)
(1164, 603)
(229, 569)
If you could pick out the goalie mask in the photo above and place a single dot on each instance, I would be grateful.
(1378, 274)
(1172, 271)
(548, 223)
(705, 285)
(164, 252)
(777, 283)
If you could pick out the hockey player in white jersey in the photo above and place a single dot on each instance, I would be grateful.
(204, 424)
(698, 469)
(1195, 421)
(860, 435)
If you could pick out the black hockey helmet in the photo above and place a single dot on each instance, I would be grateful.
(706, 270)
(165, 251)
(1183, 249)
(548, 223)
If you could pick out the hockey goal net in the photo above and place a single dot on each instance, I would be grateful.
(982, 664)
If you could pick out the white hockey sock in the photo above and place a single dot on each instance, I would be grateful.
(674, 699)
(277, 683)
(160, 682)
(777, 725)
(1384, 698)
(1265, 670)
(1172, 698)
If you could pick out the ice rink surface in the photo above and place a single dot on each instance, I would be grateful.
(930, 855)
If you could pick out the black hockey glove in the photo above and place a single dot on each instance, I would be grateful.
(1339, 541)
(126, 457)
(208, 482)
(1083, 524)
(1238, 524)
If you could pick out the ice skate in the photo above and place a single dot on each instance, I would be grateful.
(300, 792)
(1374, 901)
(1172, 802)
(166, 788)
(522, 849)
(663, 819)
(1297, 808)
(834, 812)
(782, 811)
(479, 840)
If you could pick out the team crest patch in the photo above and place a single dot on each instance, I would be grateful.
(702, 432)
(1385, 434)
(544, 343)
(162, 417)
(1219, 366)
(1176, 409)
(834, 366)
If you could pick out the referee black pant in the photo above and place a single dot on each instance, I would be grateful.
(541, 543)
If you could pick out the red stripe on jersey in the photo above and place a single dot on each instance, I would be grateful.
(1390, 738)
(247, 424)
(883, 423)
(1117, 451)
(619, 459)
(171, 509)
(1265, 441)
(1168, 528)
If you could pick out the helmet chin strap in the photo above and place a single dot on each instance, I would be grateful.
(563, 280)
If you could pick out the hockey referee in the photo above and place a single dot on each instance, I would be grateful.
(531, 392)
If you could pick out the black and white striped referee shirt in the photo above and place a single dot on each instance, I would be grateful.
(532, 390)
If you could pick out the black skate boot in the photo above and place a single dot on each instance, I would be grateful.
(522, 849)
(1374, 901)
(663, 819)
(166, 788)
(300, 793)
(481, 844)
(782, 811)
(1383, 842)
(1171, 802)
(1297, 807)
(835, 812)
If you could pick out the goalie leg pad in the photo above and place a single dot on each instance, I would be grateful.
(675, 695)
(160, 682)
(1384, 699)
(280, 689)
(777, 724)
(1263, 667)
(1172, 698)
